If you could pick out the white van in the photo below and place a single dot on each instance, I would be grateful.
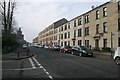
(116, 56)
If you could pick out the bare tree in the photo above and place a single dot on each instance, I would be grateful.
(7, 13)
(9, 38)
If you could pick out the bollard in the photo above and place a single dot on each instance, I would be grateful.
(27, 51)
(18, 54)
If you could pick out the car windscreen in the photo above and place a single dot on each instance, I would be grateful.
(68, 47)
(57, 46)
(84, 48)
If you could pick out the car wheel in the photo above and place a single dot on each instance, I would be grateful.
(64, 51)
(80, 54)
(72, 53)
(60, 50)
(117, 60)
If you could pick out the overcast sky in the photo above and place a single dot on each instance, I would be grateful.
(36, 15)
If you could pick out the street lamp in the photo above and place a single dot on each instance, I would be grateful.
(112, 34)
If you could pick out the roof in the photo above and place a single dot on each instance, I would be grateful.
(91, 10)
(60, 22)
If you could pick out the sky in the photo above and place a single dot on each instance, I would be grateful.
(34, 16)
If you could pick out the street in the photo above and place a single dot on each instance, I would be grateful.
(54, 64)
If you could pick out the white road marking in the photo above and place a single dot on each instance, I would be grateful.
(44, 69)
(50, 77)
(20, 69)
(32, 64)
(47, 73)
(40, 66)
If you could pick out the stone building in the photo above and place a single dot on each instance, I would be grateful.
(99, 27)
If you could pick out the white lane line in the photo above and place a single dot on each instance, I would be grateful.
(44, 69)
(20, 69)
(32, 64)
(47, 73)
(40, 66)
(50, 77)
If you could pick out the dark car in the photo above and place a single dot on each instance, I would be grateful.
(81, 51)
(66, 49)
(56, 47)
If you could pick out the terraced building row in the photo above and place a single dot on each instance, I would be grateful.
(99, 27)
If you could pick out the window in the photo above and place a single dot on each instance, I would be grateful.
(68, 25)
(87, 19)
(74, 33)
(68, 34)
(87, 43)
(65, 43)
(73, 43)
(119, 24)
(79, 32)
(86, 31)
(97, 14)
(79, 21)
(105, 27)
(119, 5)
(65, 27)
(59, 30)
(69, 43)
(80, 42)
(62, 28)
(65, 35)
(104, 12)
(61, 43)
(97, 29)
(61, 36)
(54, 37)
(104, 42)
(74, 23)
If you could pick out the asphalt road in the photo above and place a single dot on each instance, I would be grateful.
(55, 64)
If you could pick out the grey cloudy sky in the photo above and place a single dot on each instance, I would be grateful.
(36, 15)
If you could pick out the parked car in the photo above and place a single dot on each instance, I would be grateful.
(81, 51)
(46, 46)
(116, 56)
(40, 46)
(66, 49)
(56, 47)
(24, 46)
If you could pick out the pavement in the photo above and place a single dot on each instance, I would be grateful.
(18, 55)
(103, 55)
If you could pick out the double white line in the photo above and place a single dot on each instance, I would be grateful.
(40, 66)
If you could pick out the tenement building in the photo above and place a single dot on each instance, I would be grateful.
(98, 28)
(49, 35)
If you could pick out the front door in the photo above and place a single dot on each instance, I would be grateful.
(97, 43)
(119, 42)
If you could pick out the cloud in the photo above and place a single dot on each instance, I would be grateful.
(36, 16)
(61, 0)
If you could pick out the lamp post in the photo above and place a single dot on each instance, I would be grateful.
(112, 34)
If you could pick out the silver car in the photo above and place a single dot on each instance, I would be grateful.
(116, 56)
(24, 46)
